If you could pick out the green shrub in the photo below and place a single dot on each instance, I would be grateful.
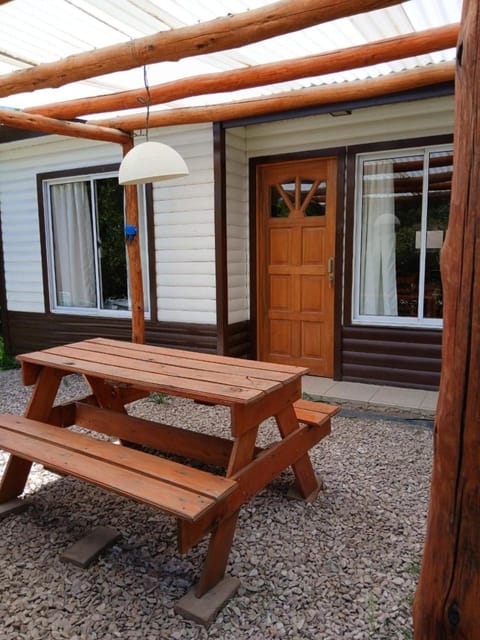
(6, 360)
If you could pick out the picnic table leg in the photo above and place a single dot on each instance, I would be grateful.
(39, 408)
(305, 478)
(222, 537)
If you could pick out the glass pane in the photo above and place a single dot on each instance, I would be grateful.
(408, 209)
(317, 203)
(281, 201)
(391, 217)
(111, 244)
(72, 245)
(439, 191)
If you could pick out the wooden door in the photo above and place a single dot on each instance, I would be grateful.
(296, 204)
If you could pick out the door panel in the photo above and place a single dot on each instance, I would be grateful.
(296, 244)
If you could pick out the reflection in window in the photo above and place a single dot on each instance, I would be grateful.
(439, 190)
(313, 193)
(402, 224)
(304, 195)
(87, 257)
(282, 199)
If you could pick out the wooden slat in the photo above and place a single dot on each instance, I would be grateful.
(240, 363)
(119, 358)
(188, 444)
(312, 412)
(173, 500)
(146, 464)
(195, 389)
(177, 500)
(227, 368)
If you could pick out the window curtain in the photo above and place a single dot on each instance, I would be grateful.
(73, 245)
(378, 286)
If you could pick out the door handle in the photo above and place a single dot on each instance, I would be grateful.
(331, 270)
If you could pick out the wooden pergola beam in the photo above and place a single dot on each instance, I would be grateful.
(405, 46)
(32, 122)
(330, 94)
(224, 33)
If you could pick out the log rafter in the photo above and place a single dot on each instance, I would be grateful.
(224, 33)
(329, 94)
(33, 122)
(330, 62)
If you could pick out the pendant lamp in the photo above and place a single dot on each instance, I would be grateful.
(150, 161)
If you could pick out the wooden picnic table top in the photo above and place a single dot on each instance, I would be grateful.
(218, 379)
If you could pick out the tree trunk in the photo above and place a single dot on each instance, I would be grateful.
(448, 596)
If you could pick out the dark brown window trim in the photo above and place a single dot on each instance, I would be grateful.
(87, 171)
(220, 217)
(4, 326)
(352, 153)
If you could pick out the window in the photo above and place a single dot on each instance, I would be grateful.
(85, 239)
(402, 207)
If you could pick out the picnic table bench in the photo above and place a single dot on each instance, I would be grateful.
(202, 502)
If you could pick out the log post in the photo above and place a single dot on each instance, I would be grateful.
(448, 594)
(134, 259)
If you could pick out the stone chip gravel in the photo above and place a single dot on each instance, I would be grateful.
(344, 567)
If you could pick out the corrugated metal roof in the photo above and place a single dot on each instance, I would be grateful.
(33, 32)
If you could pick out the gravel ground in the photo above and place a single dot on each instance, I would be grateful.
(344, 567)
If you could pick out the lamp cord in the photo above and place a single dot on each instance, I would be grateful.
(147, 101)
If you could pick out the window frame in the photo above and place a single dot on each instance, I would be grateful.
(420, 321)
(87, 175)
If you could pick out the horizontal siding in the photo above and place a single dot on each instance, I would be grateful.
(370, 124)
(239, 340)
(401, 357)
(20, 162)
(237, 227)
(183, 219)
(32, 331)
(185, 231)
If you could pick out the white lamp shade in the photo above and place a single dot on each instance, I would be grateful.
(150, 162)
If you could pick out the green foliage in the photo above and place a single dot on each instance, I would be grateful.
(111, 233)
(158, 398)
(6, 360)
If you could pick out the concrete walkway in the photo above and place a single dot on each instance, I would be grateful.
(371, 396)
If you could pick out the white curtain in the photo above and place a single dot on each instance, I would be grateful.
(378, 286)
(73, 245)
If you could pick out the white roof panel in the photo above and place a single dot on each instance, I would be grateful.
(32, 32)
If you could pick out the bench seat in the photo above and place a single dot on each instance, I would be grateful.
(315, 413)
(175, 488)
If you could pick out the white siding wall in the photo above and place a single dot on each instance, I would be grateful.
(237, 226)
(20, 162)
(185, 230)
(373, 124)
(184, 208)
(184, 219)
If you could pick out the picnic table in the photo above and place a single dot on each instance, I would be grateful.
(204, 503)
